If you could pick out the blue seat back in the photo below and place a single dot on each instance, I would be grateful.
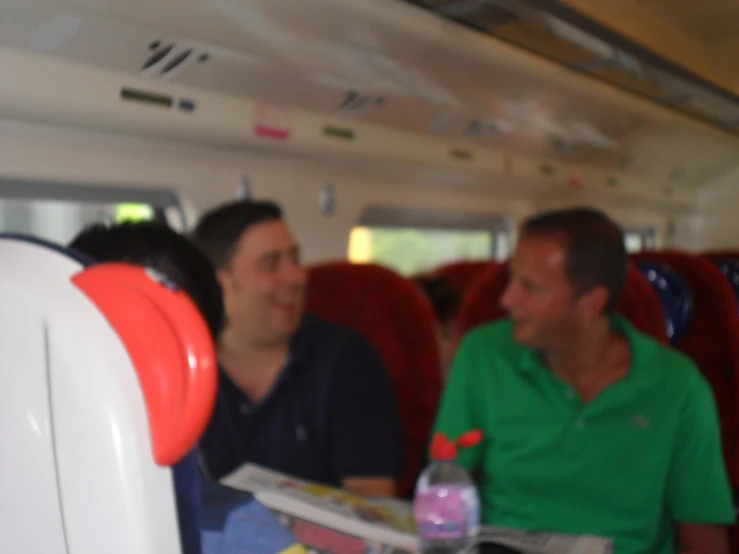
(674, 295)
(234, 522)
(187, 490)
(730, 269)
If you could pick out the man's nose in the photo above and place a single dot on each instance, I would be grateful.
(508, 297)
(295, 273)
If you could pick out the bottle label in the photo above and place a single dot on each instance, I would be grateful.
(446, 512)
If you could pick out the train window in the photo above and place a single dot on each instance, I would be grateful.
(133, 212)
(57, 212)
(412, 251)
(412, 241)
(636, 241)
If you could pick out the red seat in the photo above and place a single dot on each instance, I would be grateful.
(462, 274)
(727, 254)
(712, 339)
(639, 303)
(395, 317)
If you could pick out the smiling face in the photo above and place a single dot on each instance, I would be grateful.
(546, 311)
(264, 285)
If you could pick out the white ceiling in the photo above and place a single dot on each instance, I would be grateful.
(399, 61)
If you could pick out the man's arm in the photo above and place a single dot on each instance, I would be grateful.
(699, 495)
(701, 539)
(365, 438)
(373, 487)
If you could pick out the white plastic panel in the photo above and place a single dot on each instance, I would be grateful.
(30, 517)
(106, 474)
(114, 498)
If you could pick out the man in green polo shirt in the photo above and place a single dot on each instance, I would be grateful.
(590, 427)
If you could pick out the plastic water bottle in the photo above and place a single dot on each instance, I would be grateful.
(446, 506)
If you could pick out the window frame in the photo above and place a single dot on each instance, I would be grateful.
(498, 227)
(161, 199)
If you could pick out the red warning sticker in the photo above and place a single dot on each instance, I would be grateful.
(272, 122)
(574, 179)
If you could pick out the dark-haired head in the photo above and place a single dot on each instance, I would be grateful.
(568, 270)
(219, 230)
(444, 298)
(155, 245)
(258, 266)
(445, 301)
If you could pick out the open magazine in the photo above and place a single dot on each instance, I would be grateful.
(331, 521)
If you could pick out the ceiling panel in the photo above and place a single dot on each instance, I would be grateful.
(700, 37)
(321, 56)
(527, 24)
(571, 126)
(711, 22)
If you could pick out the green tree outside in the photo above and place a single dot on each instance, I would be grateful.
(412, 251)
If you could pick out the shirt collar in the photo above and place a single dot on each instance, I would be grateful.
(297, 353)
(530, 361)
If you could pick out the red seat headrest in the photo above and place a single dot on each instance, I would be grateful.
(462, 274)
(712, 339)
(392, 313)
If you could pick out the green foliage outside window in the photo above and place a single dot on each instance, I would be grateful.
(411, 251)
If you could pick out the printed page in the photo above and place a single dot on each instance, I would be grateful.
(388, 521)
(545, 543)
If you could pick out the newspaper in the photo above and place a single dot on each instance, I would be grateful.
(544, 543)
(327, 520)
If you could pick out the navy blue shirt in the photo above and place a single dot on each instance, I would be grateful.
(330, 415)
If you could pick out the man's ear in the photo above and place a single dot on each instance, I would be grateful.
(593, 302)
(224, 278)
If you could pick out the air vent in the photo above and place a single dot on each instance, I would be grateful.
(562, 147)
(460, 154)
(475, 129)
(547, 169)
(355, 101)
(167, 58)
(159, 54)
(478, 128)
(176, 61)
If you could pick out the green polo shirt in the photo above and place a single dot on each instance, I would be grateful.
(644, 454)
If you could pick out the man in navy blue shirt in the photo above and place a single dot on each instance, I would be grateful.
(297, 394)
